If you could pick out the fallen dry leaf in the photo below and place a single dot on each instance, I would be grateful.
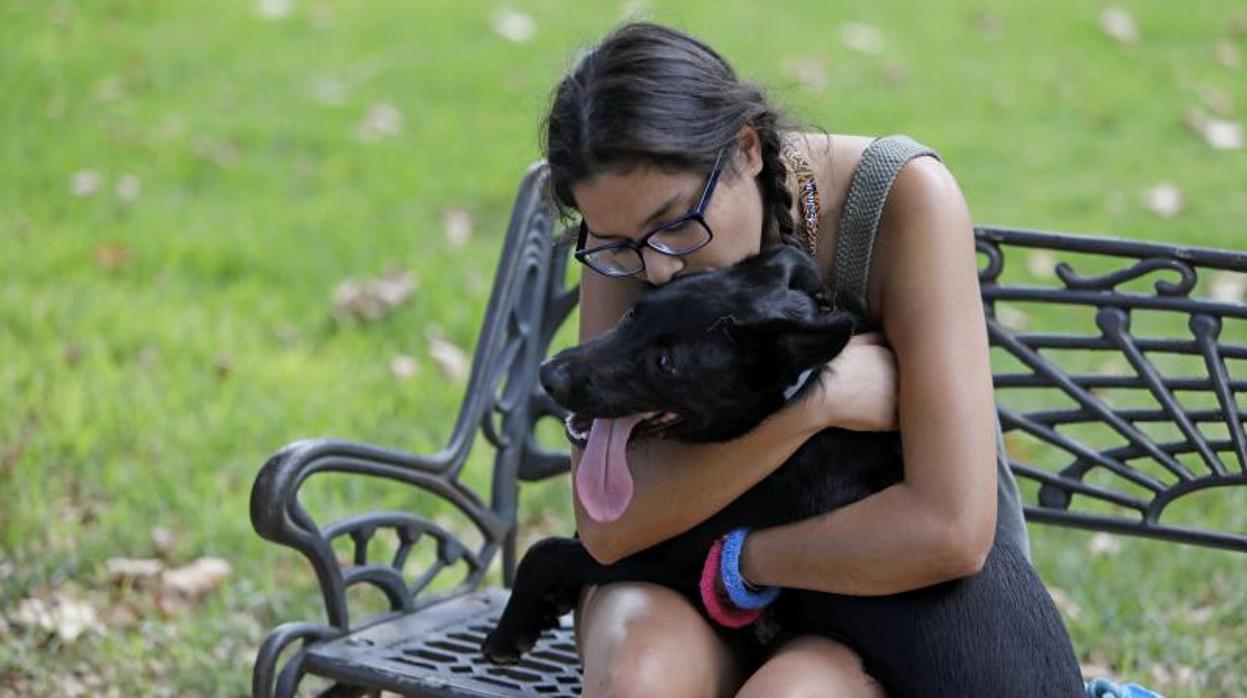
(171, 126)
(372, 299)
(122, 615)
(223, 364)
(196, 580)
(1227, 55)
(633, 10)
(1041, 264)
(138, 572)
(403, 366)
(1186, 676)
(1236, 24)
(321, 15)
(808, 70)
(513, 25)
(1163, 199)
(1112, 366)
(1012, 318)
(109, 89)
(1018, 447)
(85, 183)
(354, 297)
(1216, 99)
(1219, 134)
(128, 188)
(1228, 287)
(273, 9)
(861, 37)
(1199, 615)
(452, 360)
(287, 333)
(172, 590)
(1162, 677)
(163, 540)
(382, 121)
(67, 617)
(394, 288)
(458, 225)
(1119, 24)
(989, 24)
(895, 72)
(1103, 544)
(112, 257)
(223, 153)
(147, 358)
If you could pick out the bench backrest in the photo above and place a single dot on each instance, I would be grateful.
(1110, 422)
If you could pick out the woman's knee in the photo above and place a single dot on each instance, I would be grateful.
(639, 639)
(810, 666)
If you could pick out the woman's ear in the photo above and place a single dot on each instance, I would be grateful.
(751, 150)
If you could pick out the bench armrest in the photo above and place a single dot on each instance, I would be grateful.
(278, 515)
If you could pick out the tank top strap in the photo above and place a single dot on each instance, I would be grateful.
(863, 207)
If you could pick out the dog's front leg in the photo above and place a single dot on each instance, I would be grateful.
(547, 583)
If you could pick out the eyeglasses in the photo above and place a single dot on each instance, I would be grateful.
(685, 234)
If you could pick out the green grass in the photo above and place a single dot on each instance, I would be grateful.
(148, 394)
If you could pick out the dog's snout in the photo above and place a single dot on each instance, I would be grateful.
(555, 378)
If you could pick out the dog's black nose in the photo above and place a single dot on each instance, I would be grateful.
(555, 378)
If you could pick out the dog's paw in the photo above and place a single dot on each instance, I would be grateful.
(501, 648)
(556, 602)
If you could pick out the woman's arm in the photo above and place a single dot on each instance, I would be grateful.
(669, 499)
(939, 523)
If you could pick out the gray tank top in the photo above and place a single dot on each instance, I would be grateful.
(859, 219)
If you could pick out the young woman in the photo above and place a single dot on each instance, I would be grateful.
(632, 137)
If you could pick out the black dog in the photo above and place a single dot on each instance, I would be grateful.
(706, 357)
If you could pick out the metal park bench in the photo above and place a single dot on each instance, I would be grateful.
(1110, 422)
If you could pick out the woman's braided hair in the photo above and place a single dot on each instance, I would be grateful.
(649, 94)
(774, 180)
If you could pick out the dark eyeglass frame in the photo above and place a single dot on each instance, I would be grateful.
(698, 213)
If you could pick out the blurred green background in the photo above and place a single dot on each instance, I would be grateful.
(185, 185)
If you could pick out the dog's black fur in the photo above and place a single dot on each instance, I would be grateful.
(735, 339)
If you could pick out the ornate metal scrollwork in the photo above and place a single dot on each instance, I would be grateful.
(1108, 282)
(1139, 496)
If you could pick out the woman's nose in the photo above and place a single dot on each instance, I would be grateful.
(659, 267)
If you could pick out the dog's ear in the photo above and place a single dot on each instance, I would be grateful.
(788, 267)
(801, 343)
(780, 348)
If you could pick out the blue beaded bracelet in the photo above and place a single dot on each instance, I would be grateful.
(733, 582)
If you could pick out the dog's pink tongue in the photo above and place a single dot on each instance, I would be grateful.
(602, 479)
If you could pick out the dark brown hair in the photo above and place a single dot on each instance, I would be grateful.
(649, 94)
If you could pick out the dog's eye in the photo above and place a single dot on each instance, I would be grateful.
(665, 364)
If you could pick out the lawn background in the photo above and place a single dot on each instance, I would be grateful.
(159, 343)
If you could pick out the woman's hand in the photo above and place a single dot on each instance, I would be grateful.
(857, 389)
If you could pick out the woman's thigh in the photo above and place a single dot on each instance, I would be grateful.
(811, 666)
(642, 639)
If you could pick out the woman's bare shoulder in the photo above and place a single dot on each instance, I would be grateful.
(921, 184)
(833, 157)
